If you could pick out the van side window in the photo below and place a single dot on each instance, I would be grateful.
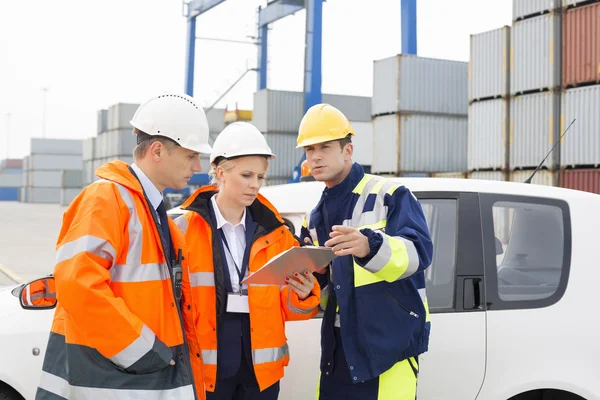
(531, 250)
(441, 216)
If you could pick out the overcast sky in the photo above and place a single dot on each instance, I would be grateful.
(91, 55)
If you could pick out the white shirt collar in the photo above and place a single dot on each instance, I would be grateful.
(221, 221)
(154, 195)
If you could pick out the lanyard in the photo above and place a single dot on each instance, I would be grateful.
(241, 271)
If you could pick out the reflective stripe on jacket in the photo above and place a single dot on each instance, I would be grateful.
(382, 304)
(117, 326)
(270, 306)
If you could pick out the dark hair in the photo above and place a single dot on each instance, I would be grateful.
(347, 140)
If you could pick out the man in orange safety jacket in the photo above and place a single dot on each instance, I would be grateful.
(124, 323)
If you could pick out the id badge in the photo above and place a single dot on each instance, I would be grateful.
(237, 303)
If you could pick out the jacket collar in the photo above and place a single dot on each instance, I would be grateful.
(117, 171)
(348, 184)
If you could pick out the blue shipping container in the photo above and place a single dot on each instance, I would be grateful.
(12, 171)
(9, 194)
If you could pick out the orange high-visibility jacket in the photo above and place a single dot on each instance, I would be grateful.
(270, 306)
(117, 326)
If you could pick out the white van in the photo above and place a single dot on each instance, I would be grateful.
(513, 274)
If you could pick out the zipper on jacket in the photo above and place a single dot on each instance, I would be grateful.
(411, 313)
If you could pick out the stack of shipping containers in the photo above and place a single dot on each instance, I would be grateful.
(277, 114)
(489, 100)
(419, 115)
(535, 86)
(11, 176)
(580, 147)
(52, 166)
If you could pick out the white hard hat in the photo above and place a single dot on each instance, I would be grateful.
(240, 139)
(177, 117)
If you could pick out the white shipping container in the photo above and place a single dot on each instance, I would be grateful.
(362, 142)
(421, 143)
(283, 145)
(51, 179)
(56, 146)
(216, 119)
(101, 146)
(42, 195)
(542, 177)
(527, 8)
(536, 54)
(102, 121)
(411, 84)
(449, 175)
(72, 178)
(120, 114)
(581, 144)
(488, 175)
(25, 178)
(11, 180)
(88, 175)
(67, 195)
(88, 148)
(120, 142)
(26, 163)
(489, 75)
(488, 134)
(51, 162)
(282, 111)
(534, 127)
(23, 194)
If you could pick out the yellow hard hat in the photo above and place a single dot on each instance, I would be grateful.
(323, 123)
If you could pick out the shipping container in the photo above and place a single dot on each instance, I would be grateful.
(67, 195)
(362, 142)
(580, 146)
(9, 193)
(282, 111)
(72, 179)
(276, 181)
(88, 175)
(25, 178)
(534, 127)
(419, 143)
(587, 180)
(576, 3)
(449, 175)
(10, 180)
(54, 162)
(489, 75)
(120, 114)
(488, 175)
(411, 84)
(88, 148)
(542, 177)
(488, 134)
(535, 54)
(216, 119)
(56, 146)
(42, 195)
(51, 179)
(120, 142)
(283, 145)
(101, 146)
(23, 194)
(102, 121)
(12, 171)
(528, 8)
(12, 163)
(581, 45)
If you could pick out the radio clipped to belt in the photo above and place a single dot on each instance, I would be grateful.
(178, 274)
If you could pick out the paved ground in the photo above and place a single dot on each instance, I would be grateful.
(28, 234)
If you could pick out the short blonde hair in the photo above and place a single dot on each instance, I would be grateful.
(145, 141)
(227, 164)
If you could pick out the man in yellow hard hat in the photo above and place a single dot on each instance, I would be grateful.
(376, 321)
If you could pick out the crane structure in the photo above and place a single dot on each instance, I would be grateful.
(274, 11)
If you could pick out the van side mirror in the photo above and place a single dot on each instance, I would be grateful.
(39, 294)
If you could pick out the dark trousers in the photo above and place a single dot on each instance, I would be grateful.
(338, 384)
(242, 386)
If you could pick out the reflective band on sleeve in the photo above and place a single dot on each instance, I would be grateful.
(297, 310)
(139, 273)
(267, 355)
(182, 222)
(202, 279)
(89, 244)
(136, 350)
(396, 259)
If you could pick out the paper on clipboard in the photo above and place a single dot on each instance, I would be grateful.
(296, 259)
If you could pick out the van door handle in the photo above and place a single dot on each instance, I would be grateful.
(472, 294)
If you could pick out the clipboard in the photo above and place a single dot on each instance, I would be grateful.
(296, 259)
